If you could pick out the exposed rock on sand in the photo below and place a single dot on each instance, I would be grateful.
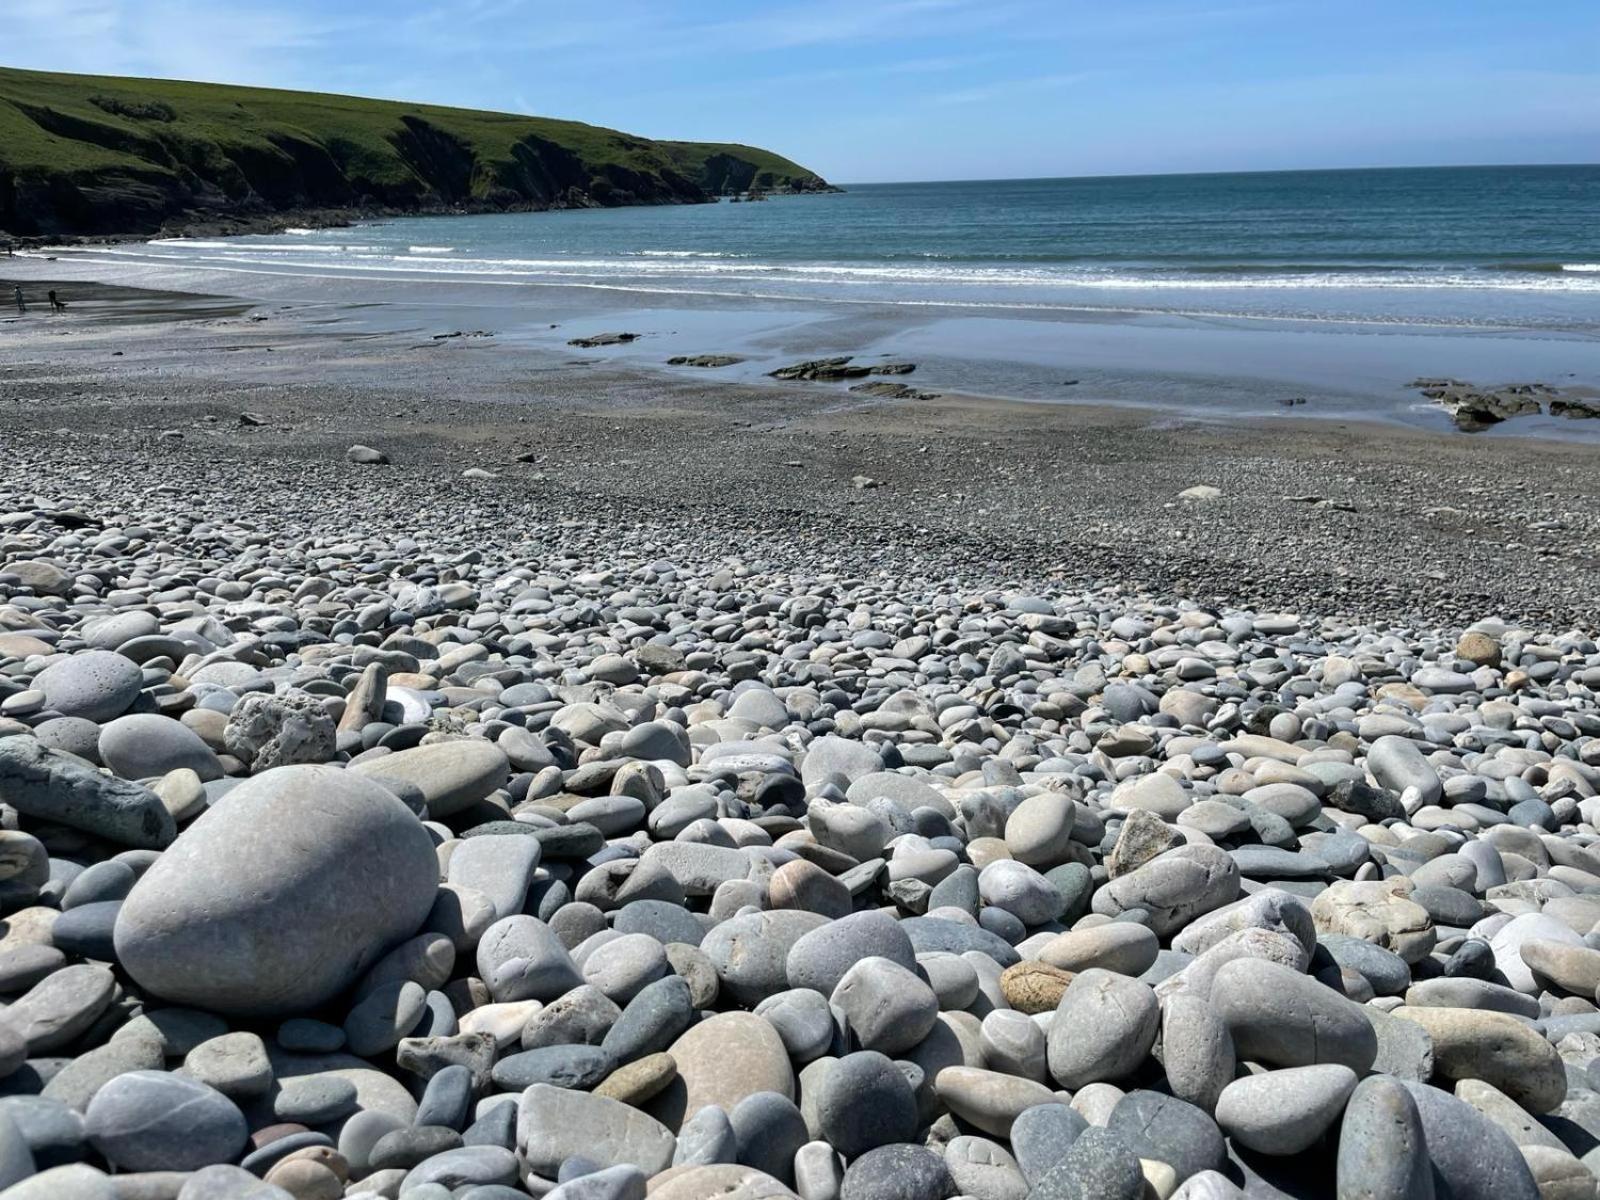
(893, 391)
(1475, 409)
(831, 370)
(704, 360)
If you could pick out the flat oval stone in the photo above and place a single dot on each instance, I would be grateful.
(553, 1125)
(820, 958)
(146, 745)
(720, 1061)
(1496, 1048)
(153, 1120)
(452, 775)
(990, 1100)
(96, 685)
(1285, 1112)
(559, 1066)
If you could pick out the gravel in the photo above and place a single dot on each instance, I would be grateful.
(586, 831)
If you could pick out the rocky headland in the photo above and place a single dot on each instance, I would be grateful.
(90, 157)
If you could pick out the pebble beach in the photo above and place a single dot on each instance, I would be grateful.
(423, 780)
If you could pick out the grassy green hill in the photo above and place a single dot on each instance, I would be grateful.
(84, 154)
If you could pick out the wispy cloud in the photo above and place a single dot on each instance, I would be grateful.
(194, 39)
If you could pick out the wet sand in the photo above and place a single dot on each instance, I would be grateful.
(1367, 520)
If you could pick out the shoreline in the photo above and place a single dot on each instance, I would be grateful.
(1329, 516)
(1196, 366)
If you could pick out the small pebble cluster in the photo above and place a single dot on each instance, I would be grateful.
(345, 862)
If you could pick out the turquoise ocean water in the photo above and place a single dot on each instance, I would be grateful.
(1480, 246)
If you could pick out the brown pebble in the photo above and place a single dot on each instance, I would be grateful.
(325, 1156)
(306, 1180)
(268, 1134)
(1034, 987)
(637, 1081)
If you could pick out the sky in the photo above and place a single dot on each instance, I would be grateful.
(889, 90)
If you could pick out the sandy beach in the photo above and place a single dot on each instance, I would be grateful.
(1364, 519)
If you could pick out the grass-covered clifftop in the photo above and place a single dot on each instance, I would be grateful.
(84, 154)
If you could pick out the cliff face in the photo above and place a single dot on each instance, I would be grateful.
(86, 155)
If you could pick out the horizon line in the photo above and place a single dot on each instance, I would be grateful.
(1476, 166)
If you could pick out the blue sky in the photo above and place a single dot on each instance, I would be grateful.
(866, 90)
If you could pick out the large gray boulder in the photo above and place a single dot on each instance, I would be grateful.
(278, 898)
(54, 786)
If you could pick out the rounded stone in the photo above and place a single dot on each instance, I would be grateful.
(720, 1061)
(278, 898)
(235, 1064)
(1122, 947)
(1285, 1112)
(653, 1020)
(1196, 1050)
(887, 1007)
(751, 952)
(146, 745)
(1039, 830)
(865, 1101)
(624, 966)
(1020, 891)
(453, 775)
(97, 685)
(1102, 1030)
(769, 1130)
(1034, 987)
(989, 1100)
(522, 958)
(803, 1019)
(898, 1172)
(819, 958)
(1166, 1129)
(156, 1121)
(1497, 1048)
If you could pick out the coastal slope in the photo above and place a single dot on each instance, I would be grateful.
(94, 155)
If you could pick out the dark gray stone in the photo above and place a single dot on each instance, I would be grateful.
(50, 785)
(898, 1172)
(864, 1101)
(1041, 1137)
(157, 1121)
(559, 1066)
(768, 1130)
(1097, 1167)
(652, 1020)
(821, 958)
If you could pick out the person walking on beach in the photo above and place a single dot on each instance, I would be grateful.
(22, 306)
(57, 305)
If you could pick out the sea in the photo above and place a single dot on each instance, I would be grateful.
(1469, 245)
(1489, 274)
